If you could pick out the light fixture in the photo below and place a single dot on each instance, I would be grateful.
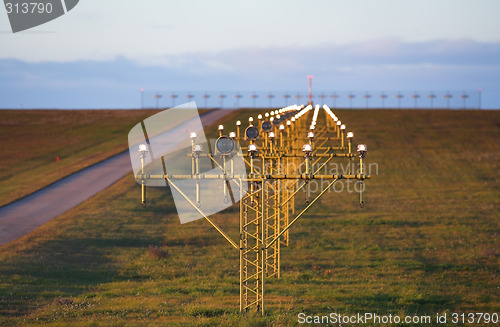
(312, 127)
(293, 118)
(267, 114)
(193, 135)
(335, 118)
(289, 122)
(252, 133)
(224, 145)
(350, 135)
(266, 126)
(143, 148)
(259, 116)
(362, 149)
(197, 148)
(252, 148)
(307, 148)
(238, 123)
(271, 119)
(271, 135)
(221, 127)
(310, 135)
(278, 116)
(232, 135)
(339, 123)
(282, 127)
(342, 127)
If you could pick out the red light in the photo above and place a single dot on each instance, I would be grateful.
(310, 76)
(142, 90)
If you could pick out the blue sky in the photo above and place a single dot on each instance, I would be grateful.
(102, 52)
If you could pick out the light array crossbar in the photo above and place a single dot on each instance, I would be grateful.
(286, 149)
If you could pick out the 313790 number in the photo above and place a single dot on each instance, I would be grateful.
(28, 8)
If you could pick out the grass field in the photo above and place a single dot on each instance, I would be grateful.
(427, 242)
(33, 139)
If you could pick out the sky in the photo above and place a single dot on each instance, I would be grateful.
(100, 54)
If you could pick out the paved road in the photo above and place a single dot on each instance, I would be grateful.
(25, 215)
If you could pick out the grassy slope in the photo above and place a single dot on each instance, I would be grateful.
(426, 242)
(33, 139)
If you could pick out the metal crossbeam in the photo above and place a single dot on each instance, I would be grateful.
(275, 162)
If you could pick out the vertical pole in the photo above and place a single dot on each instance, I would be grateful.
(225, 175)
(197, 180)
(143, 186)
(480, 93)
(263, 165)
(142, 98)
(350, 159)
(308, 168)
(242, 222)
(309, 97)
(192, 158)
(361, 171)
(263, 246)
(277, 226)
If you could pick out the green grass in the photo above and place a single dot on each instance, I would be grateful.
(426, 242)
(33, 139)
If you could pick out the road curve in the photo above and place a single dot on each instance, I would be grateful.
(26, 214)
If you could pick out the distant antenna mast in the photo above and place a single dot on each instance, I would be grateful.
(189, 96)
(270, 96)
(367, 98)
(309, 97)
(142, 98)
(383, 96)
(286, 96)
(205, 97)
(464, 97)
(399, 96)
(480, 93)
(238, 96)
(415, 97)
(448, 96)
(173, 96)
(157, 96)
(432, 96)
(221, 97)
(253, 97)
(335, 96)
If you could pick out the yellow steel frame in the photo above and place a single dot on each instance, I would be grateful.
(266, 209)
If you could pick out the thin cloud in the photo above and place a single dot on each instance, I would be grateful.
(385, 64)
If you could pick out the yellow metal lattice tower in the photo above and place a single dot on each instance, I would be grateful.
(288, 149)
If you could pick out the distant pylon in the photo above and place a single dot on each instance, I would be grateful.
(309, 97)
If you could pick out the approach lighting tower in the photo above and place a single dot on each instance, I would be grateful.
(309, 96)
(205, 97)
(290, 149)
